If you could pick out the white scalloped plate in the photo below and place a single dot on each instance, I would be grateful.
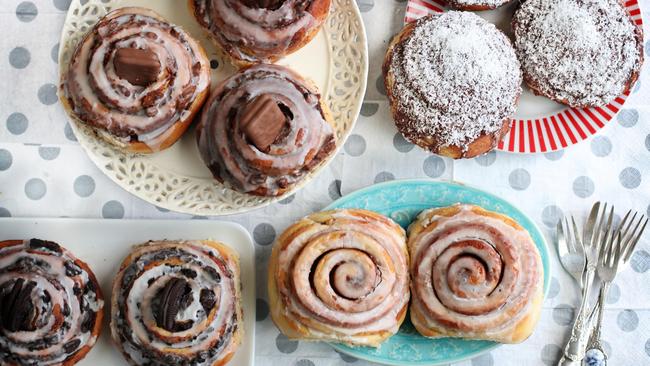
(176, 179)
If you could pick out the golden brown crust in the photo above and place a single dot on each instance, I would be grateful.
(297, 325)
(480, 145)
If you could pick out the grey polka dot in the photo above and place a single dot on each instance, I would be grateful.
(288, 200)
(49, 153)
(26, 11)
(563, 314)
(640, 261)
(630, 178)
(347, 358)
(285, 345)
(369, 109)
(264, 234)
(62, 4)
(161, 209)
(334, 189)
(554, 155)
(551, 215)
(628, 117)
(384, 177)
(19, 57)
(647, 142)
(647, 347)
(113, 210)
(6, 159)
(637, 86)
(365, 5)
(35, 189)
(519, 179)
(355, 145)
(583, 187)
(434, 166)
(47, 94)
(304, 362)
(627, 320)
(261, 310)
(601, 146)
(401, 144)
(486, 159)
(381, 87)
(554, 288)
(485, 359)
(84, 185)
(551, 354)
(614, 294)
(4, 212)
(606, 347)
(17, 123)
(69, 134)
(55, 53)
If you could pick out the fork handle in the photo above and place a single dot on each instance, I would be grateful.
(574, 351)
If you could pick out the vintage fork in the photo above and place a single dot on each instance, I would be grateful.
(613, 258)
(596, 231)
(569, 249)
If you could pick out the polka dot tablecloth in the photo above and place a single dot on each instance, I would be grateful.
(44, 172)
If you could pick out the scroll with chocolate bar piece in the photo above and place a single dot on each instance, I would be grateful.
(264, 129)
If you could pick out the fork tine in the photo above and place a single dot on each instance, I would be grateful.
(630, 248)
(562, 248)
(588, 231)
(626, 233)
(577, 243)
(598, 231)
(616, 252)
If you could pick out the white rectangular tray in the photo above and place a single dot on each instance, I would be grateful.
(103, 244)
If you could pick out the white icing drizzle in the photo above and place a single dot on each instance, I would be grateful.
(456, 77)
(580, 52)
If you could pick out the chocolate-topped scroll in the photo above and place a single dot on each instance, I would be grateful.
(178, 303)
(137, 79)
(51, 306)
(253, 31)
(264, 129)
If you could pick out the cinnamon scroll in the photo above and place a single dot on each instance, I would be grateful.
(178, 303)
(254, 31)
(340, 276)
(137, 80)
(263, 129)
(474, 274)
(51, 306)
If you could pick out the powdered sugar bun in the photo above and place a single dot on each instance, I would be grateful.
(476, 5)
(578, 52)
(453, 82)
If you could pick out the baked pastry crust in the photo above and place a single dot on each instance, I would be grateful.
(357, 292)
(476, 5)
(215, 328)
(581, 66)
(56, 275)
(475, 274)
(133, 118)
(452, 138)
(291, 31)
(307, 141)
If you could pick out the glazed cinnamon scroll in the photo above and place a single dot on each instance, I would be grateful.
(263, 129)
(137, 79)
(51, 306)
(474, 274)
(254, 31)
(178, 303)
(340, 276)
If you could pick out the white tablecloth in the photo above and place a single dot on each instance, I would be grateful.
(44, 172)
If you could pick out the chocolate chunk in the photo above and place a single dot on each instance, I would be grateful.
(44, 244)
(262, 121)
(207, 299)
(266, 4)
(71, 269)
(170, 302)
(137, 66)
(71, 346)
(88, 323)
(16, 308)
(189, 273)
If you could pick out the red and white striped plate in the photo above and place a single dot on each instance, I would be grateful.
(540, 125)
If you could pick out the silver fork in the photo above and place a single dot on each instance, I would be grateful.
(596, 232)
(613, 257)
(569, 249)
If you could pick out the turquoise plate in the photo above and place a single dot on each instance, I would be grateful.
(402, 200)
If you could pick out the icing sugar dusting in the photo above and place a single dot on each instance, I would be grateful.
(457, 77)
(580, 51)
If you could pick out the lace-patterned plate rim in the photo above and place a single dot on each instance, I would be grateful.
(344, 88)
(546, 132)
(403, 200)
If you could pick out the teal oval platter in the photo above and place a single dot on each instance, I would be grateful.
(402, 201)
